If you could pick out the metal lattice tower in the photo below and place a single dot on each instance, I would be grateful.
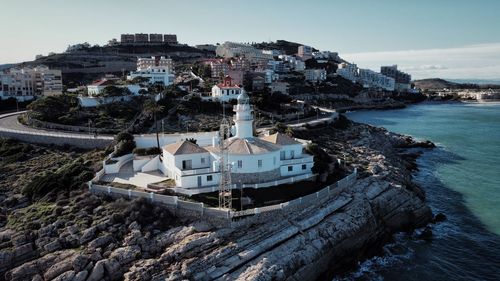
(225, 197)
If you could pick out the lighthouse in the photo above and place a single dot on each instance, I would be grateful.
(243, 119)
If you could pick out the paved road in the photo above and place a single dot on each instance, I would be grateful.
(9, 123)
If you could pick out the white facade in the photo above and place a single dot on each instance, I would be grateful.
(372, 79)
(26, 83)
(349, 71)
(156, 69)
(252, 159)
(226, 91)
(315, 75)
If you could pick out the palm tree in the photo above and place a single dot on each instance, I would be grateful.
(151, 107)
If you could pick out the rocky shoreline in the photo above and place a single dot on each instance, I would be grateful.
(78, 236)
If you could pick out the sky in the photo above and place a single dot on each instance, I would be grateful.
(457, 39)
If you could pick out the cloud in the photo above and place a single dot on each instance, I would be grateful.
(481, 61)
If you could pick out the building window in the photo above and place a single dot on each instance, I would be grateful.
(292, 154)
(202, 160)
(282, 155)
(304, 166)
(240, 164)
(209, 178)
(274, 160)
(290, 168)
(259, 163)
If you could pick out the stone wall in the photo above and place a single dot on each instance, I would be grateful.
(56, 139)
(256, 177)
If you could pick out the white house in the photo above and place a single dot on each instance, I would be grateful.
(254, 160)
(226, 90)
(156, 69)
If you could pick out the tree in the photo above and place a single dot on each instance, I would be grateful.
(151, 107)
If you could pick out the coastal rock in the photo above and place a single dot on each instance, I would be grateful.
(97, 272)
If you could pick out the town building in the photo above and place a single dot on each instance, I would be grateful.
(348, 71)
(402, 80)
(315, 75)
(232, 49)
(227, 90)
(27, 83)
(294, 63)
(325, 55)
(281, 87)
(371, 79)
(237, 76)
(305, 52)
(273, 53)
(157, 69)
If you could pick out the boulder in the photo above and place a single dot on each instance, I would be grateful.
(80, 263)
(57, 269)
(126, 254)
(53, 246)
(88, 235)
(439, 217)
(97, 272)
(100, 242)
(66, 276)
(81, 276)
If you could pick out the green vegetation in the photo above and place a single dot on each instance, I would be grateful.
(125, 144)
(11, 104)
(322, 160)
(151, 107)
(13, 151)
(31, 217)
(70, 176)
(147, 151)
(342, 122)
(65, 110)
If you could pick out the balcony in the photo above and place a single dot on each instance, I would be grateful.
(306, 159)
(193, 172)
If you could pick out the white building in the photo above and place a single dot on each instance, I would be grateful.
(305, 52)
(281, 87)
(253, 160)
(156, 69)
(371, 79)
(315, 75)
(232, 49)
(27, 83)
(348, 71)
(226, 90)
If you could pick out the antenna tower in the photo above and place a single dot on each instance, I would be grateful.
(224, 167)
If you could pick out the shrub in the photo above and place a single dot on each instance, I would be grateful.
(139, 151)
(68, 177)
(342, 123)
(153, 151)
(124, 147)
(321, 159)
(124, 136)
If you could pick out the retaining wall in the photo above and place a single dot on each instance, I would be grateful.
(226, 217)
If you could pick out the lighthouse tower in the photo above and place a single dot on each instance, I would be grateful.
(243, 119)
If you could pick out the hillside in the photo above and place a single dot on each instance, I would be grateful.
(438, 83)
(90, 63)
(287, 47)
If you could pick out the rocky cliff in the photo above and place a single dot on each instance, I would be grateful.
(83, 237)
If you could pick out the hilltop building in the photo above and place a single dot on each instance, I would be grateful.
(144, 38)
(157, 69)
(27, 83)
(315, 75)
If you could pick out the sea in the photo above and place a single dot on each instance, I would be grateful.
(461, 178)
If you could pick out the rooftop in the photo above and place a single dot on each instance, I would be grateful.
(280, 139)
(183, 147)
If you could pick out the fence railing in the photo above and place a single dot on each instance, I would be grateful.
(201, 210)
